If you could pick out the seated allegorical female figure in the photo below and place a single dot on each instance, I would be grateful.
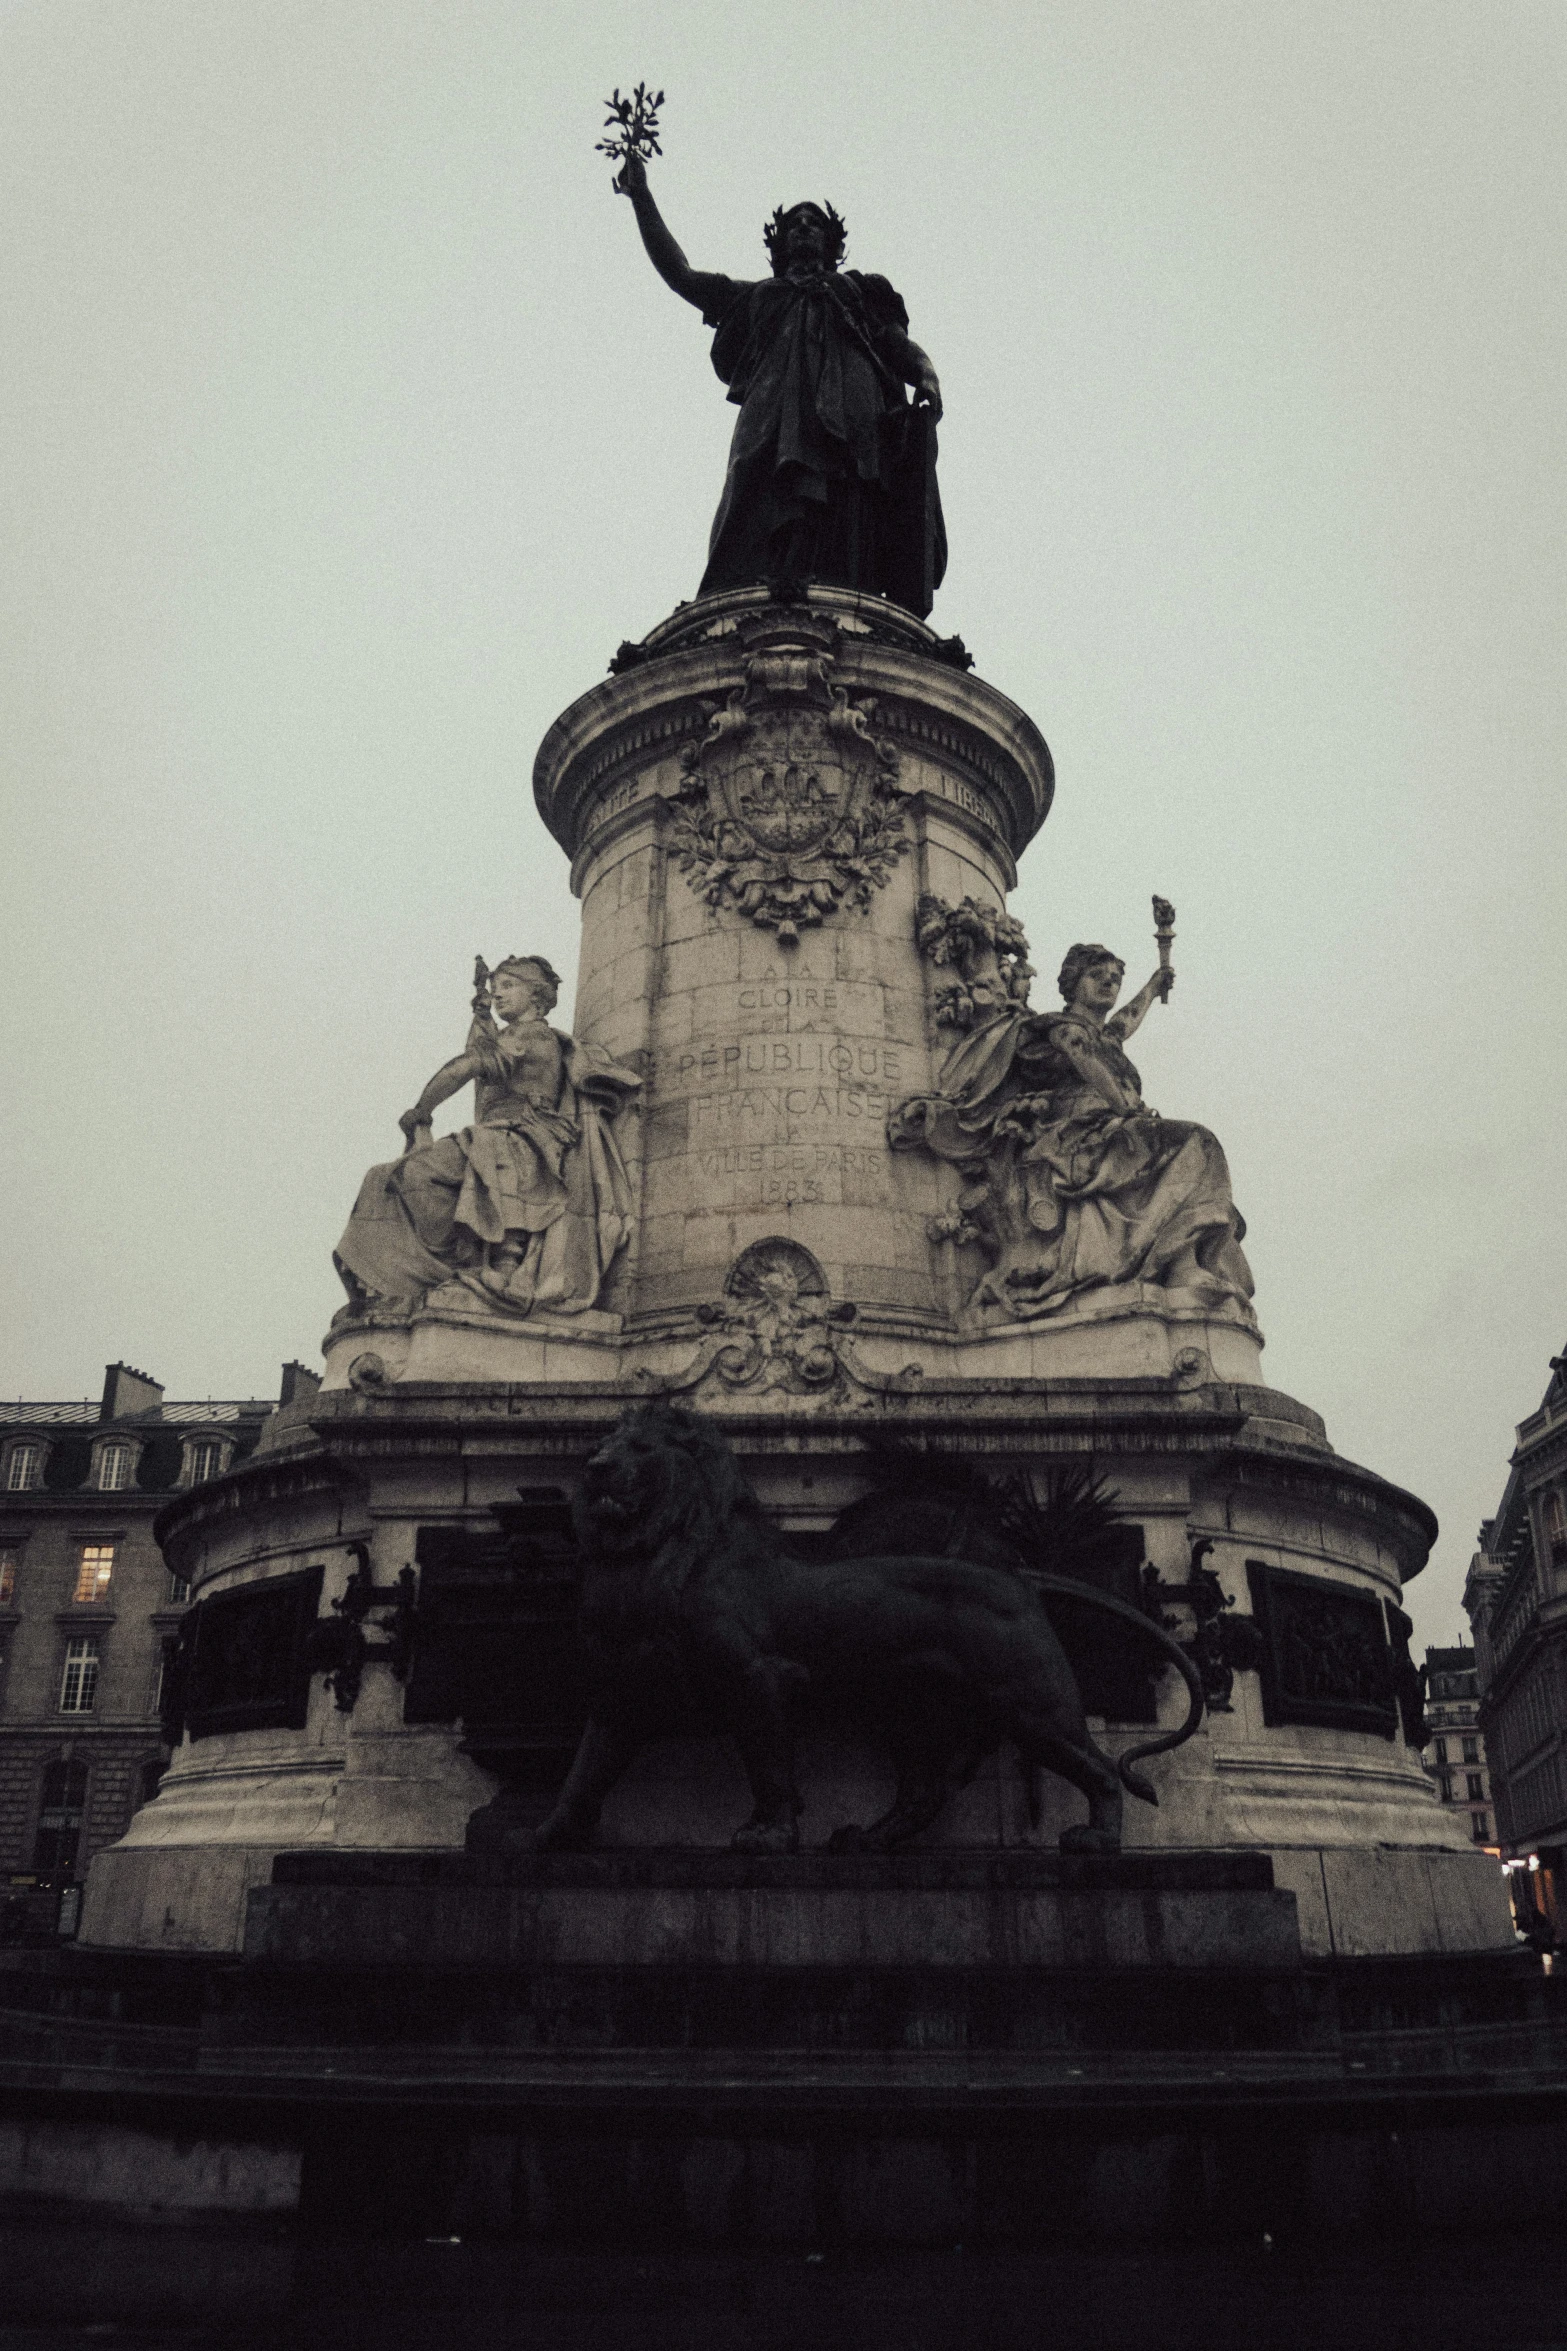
(1072, 1184)
(528, 1207)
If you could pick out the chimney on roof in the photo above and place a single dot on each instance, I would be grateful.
(126, 1391)
(299, 1385)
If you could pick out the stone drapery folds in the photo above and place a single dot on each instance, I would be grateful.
(525, 1210)
(1073, 1190)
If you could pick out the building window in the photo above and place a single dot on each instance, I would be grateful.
(1471, 1751)
(1556, 1527)
(25, 1468)
(116, 1467)
(203, 1460)
(79, 1683)
(179, 1591)
(10, 1561)
(1445, 1783)
(148, 1782)
(1480, 1827)
(60, 1819)
(1475, 1787)
(94, 1573)
(1441, 1750)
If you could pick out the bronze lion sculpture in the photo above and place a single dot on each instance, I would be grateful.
(694, 1608)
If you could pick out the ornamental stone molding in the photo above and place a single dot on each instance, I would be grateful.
(788, 807)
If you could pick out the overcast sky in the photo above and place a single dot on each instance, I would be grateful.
(344, 432)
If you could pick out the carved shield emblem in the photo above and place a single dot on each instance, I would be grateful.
(789, 805)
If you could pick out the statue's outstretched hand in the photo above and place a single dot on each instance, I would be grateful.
(415, 1124)
(927, 393)
(631, 179)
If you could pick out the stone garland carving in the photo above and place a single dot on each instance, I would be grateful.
(789, 807)
(776, 1327)
(1073, 1190)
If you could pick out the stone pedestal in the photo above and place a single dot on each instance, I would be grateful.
(755, 808)
(684, 1909)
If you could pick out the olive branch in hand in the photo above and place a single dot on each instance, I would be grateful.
(633, 122)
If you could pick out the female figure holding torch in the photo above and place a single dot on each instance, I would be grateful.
(1072, 1183)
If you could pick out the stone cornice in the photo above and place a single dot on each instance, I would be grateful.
(274, 1481)
(647, 713)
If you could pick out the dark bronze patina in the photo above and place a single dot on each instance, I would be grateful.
(832, 472)
(694, 1608)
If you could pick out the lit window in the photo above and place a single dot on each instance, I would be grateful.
(115, 1465)
(79, 1684)
(95, 1571)
(1480, 1827)
(24, 1469)
(10, 1561)
(179, 1591)
(206, 1460)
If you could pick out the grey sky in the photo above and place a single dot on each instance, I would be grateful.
(346, 431)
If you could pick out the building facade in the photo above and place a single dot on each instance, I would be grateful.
(86, 1603)
(1516, 1596)
(1455, 1752)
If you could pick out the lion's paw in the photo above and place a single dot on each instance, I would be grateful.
(558, 1834)
(1083, 1839)
(781, 1836)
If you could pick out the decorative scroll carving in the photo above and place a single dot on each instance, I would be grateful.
(1325, 1657)
(789, 805)
(776, 1327)
(1221, 1645)
(337, 1644)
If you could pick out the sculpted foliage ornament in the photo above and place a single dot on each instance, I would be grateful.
(789, 806)
(777, 1327)
(985, 950)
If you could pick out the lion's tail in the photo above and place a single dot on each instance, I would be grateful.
(1135, 1782)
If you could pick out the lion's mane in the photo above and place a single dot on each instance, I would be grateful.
(664, 1490)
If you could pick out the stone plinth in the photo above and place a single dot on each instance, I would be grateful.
(792, 827)
(672, 1908)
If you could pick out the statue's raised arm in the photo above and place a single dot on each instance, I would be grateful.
(832, 471)
(692, 285)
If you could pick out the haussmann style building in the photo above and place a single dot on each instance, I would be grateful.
(1516, 1596)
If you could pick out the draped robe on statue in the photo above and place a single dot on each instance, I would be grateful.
(1070, 1192)
(832, 474)
(540, 1163)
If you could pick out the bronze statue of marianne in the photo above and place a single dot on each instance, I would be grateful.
(832, 471)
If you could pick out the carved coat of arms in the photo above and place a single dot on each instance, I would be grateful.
(789, 806)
